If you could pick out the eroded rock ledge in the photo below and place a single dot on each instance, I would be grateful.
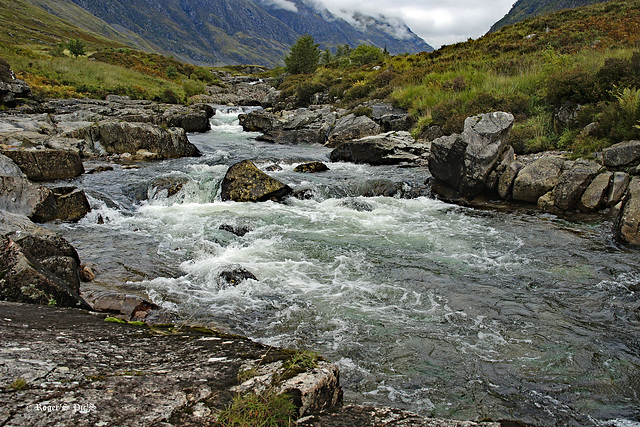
(70, 367)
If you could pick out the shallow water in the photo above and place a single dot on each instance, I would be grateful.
(443, 310)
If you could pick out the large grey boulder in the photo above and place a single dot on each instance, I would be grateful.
(622, 154)
(619, 186)
(258, 121)
(351, 127)
(391, 118)
(9, 168)
(244, 182)
(21, 196)
(47, 165)
(505, 183)
(627, 228)
(572, 184)
(537, 179)
(115, 137)
(595, 196)
(383, 149)
(72, 203)
(10, 87)
(302, 126)
(36, 265)
(465, 161)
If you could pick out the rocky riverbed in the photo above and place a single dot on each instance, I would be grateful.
(51, 141)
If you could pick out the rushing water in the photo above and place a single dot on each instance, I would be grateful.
(443, 310)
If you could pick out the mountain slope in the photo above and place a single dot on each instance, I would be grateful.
(217, 32)
(523, 9)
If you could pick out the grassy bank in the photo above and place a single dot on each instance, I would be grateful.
(576, 57)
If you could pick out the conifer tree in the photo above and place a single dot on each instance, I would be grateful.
(304, 56)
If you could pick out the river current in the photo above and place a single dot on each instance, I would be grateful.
(440, 309)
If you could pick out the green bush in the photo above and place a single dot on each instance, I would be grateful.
(366, 54)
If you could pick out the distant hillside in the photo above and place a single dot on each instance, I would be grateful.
(218, 32)
(523, 9)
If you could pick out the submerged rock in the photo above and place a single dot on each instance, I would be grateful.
(234, 275)
(72, 203)
(244, 182)
(312, 167)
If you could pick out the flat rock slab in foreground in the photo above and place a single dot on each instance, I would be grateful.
(69, 367)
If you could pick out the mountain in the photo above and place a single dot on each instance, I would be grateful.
(523, 9)
(222, 32)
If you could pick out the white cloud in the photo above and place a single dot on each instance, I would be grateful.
(282, 4)
(438, 22)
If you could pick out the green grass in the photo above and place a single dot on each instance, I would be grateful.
(267, 409)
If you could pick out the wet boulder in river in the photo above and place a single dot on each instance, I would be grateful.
(311, 167)
(47, 165)
(627, 228)
(244, 182)
(464, 162)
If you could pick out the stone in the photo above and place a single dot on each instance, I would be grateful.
(312, 167)
(25, 278)
(131, 307)
(234, 275)
(537, 178)
(627, 227)
(619, 186)
(164, 187)
(244, 182)
(572, 184)
(464, 162)
(505, 183)
(302, 126)
(315, 390)
(10, 87)
(547, 203)
(446, 159)
(192, 120)
(114, 137)
(622, 154)
(47, 165)
(21, 196)
(487, 137)
(391, 118)
(595, 196)
(352, 127)
(383, 149)
(9, 168)
(237, 229)
(125, 374)
(258, 121)
(72, 203)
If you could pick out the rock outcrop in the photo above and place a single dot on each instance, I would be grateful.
(627, 226)
(351, 127)
(11, 89)
(537, 179)
(383, 149)
(113, 137)
(77, 369)
(47, 165)
(622, 155)
(244, 182)
(572, 184)
(464, 162)
(37, 266)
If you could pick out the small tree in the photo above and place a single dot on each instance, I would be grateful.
(304, 56)
(366, 54)
(76, 47)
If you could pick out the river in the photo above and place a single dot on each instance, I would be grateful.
(440, 309)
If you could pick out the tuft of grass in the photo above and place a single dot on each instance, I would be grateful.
(19, 384)
(267, 409)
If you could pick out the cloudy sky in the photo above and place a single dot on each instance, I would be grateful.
(438, 22)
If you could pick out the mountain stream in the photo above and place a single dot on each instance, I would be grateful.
(440, 309)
